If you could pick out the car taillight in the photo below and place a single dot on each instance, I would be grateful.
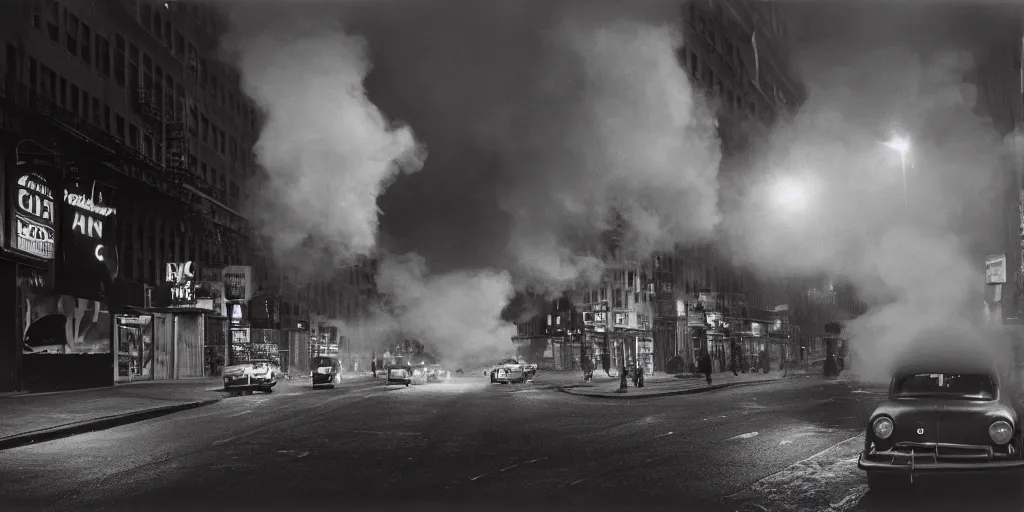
(1001, 432)
(882, 428)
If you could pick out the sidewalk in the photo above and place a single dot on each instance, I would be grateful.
(34, 417)
(659, 385)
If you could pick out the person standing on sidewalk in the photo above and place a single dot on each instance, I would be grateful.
(373, 367)
(705, 365)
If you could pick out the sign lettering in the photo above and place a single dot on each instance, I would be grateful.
(33, 222)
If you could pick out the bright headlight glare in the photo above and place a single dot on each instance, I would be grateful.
(882, 428)
(1001, 432)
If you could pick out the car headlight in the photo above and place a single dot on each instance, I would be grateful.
(882, 427)
(1001, 432)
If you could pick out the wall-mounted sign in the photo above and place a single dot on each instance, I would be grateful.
(88, 262)
(237, 282)
(995, 269)
(182, 278)
(32, 229)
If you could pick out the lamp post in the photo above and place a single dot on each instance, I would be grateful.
(902, 145)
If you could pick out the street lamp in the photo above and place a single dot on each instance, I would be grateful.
(790, 194)
(902, 145)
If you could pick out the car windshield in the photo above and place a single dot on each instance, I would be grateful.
(322, 361)
(968, 386)
(509, 361)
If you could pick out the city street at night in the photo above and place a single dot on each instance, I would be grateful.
(786, 445)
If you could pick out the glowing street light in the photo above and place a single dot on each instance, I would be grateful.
(902, 145)
(790, 194)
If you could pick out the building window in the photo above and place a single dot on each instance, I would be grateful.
(133, 65)
(53, 23)
(178, 49)
(73, 103)
(86, 44)
(71, 34)
(204, 127)
(106, 118)
(120, 127)
(119, 59)
(103, 55)
(133, 135)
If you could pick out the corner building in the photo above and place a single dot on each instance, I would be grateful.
(125, 151)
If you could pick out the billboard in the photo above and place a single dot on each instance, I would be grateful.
(237, 282)
(995, 269)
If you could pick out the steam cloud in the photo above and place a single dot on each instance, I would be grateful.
(829, 197)
(557, 114)
(328, 151)
(542, 119)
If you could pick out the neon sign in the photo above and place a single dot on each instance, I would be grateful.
(89, 220)
(33, 216)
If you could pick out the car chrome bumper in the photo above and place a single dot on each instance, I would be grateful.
(247, 383)
(928, 466)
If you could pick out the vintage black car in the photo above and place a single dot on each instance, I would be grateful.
(399, 373)
(325, 371)
(947, 418)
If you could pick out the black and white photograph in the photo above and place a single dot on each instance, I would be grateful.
(512, 255)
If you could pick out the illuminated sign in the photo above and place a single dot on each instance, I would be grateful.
(88, 261)
(182, 278)
(88, 220)
(33, 216)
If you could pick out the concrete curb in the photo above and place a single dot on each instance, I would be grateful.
(103, 423)
(691, 391)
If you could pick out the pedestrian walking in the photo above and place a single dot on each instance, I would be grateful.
(705, 366)
(373, 368)
(639, 376)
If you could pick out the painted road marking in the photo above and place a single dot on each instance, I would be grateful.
(748, 435)
(663, 435)
(240, 414)
(475, 478)
(577, 481)
(374, 432)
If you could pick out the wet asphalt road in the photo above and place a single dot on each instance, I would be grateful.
(468, 443)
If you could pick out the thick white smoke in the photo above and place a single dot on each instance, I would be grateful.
(611, 123)
(328, 152)
(830, 195)
(589, 113)
(456, 315)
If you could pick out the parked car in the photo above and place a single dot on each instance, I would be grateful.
(508, 370)
(258, 374)
(531, 370)
(419, 374)
(955, 417)
(437, 373)
(325, 371)
(399, 374)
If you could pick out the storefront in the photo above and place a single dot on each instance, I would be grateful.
(133, 337)
(67, 325)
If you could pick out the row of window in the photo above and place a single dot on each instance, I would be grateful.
(168, 97)
(148, 243)
(68, 95)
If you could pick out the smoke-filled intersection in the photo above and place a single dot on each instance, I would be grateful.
(491, 144)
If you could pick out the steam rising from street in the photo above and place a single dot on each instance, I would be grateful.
(328, 151)
(918, 269)
(544, 118)
(594, 114)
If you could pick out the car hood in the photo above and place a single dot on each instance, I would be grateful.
(939, 420)
(246, 368)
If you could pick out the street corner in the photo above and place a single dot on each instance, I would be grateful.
(826, 481)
